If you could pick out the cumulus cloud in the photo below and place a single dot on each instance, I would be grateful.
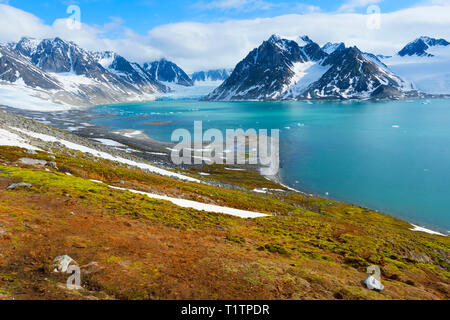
(198, 46)
(352, 5)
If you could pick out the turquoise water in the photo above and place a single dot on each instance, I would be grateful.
(389, 156)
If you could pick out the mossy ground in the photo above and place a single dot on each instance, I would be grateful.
(309, 248)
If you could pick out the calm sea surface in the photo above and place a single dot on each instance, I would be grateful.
(390, 156)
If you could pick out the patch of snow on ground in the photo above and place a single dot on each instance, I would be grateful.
(422, 229)
(110, 142)
(199, 205)
(129, 134)
(107, 156)
(12, 140)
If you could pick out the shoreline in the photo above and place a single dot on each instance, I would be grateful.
(140, 144)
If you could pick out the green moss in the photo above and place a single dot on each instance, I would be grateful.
(235, 238)
(275, 248)
(303, 228)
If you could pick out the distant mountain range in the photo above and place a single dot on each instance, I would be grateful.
(425, 62)
(279, 69)
(420, 46)
(282, 69)
(211, 75)
(64, 73)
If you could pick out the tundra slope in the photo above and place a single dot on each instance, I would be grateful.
(130, 246)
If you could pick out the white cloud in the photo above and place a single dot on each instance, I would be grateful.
(195, 46)
(352, 5)
(241, 5)
(306, 8)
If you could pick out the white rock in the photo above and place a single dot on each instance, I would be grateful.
(33, 162)
(62, 263)
(373, 284)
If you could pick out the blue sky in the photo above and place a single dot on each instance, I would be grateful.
(142, 15)
(209, 34)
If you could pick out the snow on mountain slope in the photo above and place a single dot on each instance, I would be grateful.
(421, 47)
(332, 47)
(60, 74)
(282, 69)
(211, 76)
(130, 72)
(353, 76)
(19, 95)
(179, 92)
(304, 75)
(429, 70)
(167, 71)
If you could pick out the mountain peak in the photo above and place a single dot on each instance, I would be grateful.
(211, 75)
(419, 46)
(274, 38)
(304, 40)
(167, 71)
(332, 47)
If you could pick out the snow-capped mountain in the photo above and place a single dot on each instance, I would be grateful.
(264, 74)
(424, 62)
(130, 72)
(420, 46)
(15, 68)
(70, 75)
(354, 75)
(282, 69)
(332, 47)
(167, 71)
(211, 75)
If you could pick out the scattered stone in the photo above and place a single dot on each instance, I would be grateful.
(30, 152)
(92, 267)
(51, 164)
(52, 157)
(373, 284)
(32, 162)
(69, 286)
(19, 185)
(2, 232)
(62, 263)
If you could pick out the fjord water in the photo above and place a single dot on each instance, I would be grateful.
(389, 156)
